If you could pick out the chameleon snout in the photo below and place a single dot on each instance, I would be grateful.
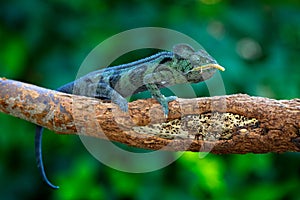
(209, 66)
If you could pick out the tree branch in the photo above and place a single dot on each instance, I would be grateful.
(278, 130)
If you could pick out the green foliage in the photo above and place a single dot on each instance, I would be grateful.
(44, 42)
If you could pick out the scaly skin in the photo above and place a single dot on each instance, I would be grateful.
(183, 65)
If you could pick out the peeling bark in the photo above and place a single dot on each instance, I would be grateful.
(278, 131)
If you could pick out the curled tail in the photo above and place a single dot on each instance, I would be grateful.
(38, 155)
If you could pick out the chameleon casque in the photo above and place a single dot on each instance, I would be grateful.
(183, 65)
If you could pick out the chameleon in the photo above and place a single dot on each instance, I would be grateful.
(167, 68)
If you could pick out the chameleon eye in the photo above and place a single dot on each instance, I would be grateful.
(195, 59)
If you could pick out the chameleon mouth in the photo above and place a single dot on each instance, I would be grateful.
(209, 66)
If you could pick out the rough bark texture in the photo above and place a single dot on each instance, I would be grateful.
(278, 131)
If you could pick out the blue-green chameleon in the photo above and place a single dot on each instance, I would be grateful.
(183, 65)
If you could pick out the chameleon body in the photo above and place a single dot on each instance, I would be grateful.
(183, 65)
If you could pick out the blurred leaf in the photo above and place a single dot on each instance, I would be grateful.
(13, 57)
(83, 184)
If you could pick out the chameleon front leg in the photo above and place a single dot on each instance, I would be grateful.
(166, 77)
(155, 92)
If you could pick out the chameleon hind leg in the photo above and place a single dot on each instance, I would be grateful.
(103, 90)
(38, 155)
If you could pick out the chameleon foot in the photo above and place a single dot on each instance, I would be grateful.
(164, 103)
(122, 103)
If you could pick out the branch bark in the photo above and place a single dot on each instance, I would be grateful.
(278, 131)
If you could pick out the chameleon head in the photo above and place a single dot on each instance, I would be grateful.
(196, 66)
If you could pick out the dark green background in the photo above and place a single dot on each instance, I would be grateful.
(44, 43)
